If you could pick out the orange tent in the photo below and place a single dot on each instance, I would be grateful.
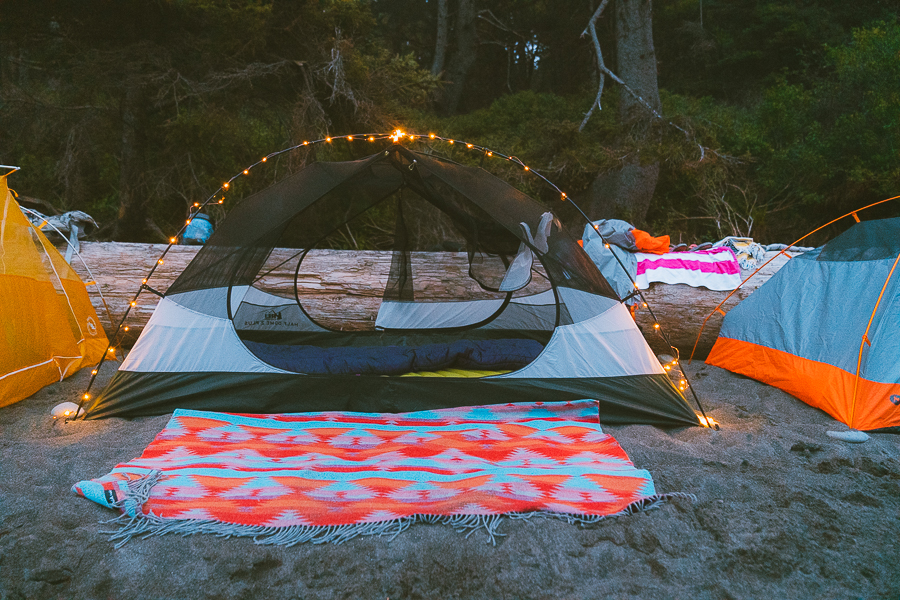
(48, 328)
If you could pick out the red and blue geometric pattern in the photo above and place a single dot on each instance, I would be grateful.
(342, 468)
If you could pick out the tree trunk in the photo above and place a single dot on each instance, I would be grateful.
(440, 44)
(462, 59)
(344, 288)
(626, 193)
(132, 218)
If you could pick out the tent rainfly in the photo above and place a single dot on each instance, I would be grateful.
(545, 325)
(826, 328)
(48, 328)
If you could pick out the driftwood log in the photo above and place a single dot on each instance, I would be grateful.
(343, 289)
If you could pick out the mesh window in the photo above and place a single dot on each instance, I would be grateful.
(464, 213)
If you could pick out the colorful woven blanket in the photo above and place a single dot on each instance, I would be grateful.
(331, 476)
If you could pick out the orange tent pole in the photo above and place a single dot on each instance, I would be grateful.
(730, 294)
(865, 339)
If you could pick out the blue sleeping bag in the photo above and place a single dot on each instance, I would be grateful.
(396, 360)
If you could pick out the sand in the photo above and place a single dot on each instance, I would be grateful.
(781, 511)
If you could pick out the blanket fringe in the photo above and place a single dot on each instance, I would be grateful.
(133, 522)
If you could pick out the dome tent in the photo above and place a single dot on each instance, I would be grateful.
(48, 327)
(221, 340)
(826, 328)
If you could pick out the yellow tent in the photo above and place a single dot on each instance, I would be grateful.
(48, 328)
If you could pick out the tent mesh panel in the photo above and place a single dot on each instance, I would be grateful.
(438, 205)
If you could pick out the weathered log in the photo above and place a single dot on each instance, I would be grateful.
(343, 289)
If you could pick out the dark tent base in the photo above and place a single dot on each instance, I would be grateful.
(645, 399)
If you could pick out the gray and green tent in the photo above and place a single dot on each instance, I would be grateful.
(541, 325)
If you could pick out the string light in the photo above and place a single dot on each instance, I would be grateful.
(172, 240)
(396, 136)
(87, 396)
(126, 328)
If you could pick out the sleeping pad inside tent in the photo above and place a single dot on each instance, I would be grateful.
(520, 313)
(48, 327)
(826, 328)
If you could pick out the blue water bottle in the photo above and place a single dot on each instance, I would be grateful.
(198, 230)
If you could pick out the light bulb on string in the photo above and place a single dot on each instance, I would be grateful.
(225, 185)
(246, 171)
(265, 158)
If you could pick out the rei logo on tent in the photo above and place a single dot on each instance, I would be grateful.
(273, 316)
(92, 326)
(895, 399)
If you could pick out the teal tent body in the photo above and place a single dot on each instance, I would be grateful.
(826, 328)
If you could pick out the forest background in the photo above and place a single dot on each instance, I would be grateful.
(757, 117)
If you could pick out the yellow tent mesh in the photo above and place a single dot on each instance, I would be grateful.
(48, 327)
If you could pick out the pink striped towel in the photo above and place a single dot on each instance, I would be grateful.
(715, 269)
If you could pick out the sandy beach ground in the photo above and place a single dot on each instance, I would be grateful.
(782, 511)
